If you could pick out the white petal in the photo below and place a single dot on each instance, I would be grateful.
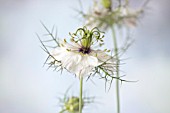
(92, 61)
(71, 62)
(85, 66)
(81, 65)
(58, 53)
(101, 55)
(74, 46)
(85, 71)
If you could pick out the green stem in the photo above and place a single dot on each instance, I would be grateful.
(81, 93)
(117, 68)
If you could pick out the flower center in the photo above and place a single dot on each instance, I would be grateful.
(85, 50)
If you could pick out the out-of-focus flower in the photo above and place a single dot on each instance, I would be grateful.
(80, 56)
(104, 15)
(70, 104)
(107, 4)
(127, 16)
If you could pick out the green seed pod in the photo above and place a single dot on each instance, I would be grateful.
(107, 3)
(72, 105)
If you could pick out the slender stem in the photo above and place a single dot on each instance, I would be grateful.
(117, 68)
(81, 93)
(120, 3)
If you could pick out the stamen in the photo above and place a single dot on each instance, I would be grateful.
(85, 50)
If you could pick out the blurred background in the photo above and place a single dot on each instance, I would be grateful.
(27, 87)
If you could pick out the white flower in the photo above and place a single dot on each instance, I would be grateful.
(103, 17)
(128, 17)
(97, 17)
(79, 58)
(78, 62)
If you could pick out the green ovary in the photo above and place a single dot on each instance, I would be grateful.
(72, 105)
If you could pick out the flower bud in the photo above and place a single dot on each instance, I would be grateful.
(107, 4)
(72, 104)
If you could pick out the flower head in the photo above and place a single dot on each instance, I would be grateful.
(104, 14)
(127, 16)
(79, 56)
(70, 104)
(107, 4)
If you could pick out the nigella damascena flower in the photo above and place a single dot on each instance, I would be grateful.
(127, 16)
(80, 56)
(104, 14)
(70, 104)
